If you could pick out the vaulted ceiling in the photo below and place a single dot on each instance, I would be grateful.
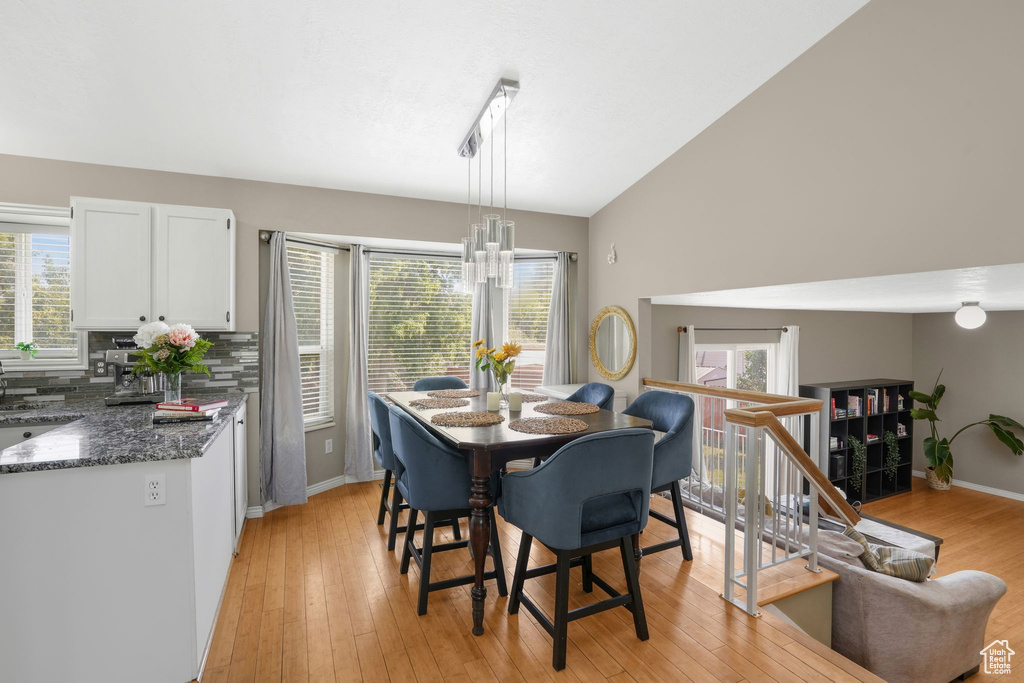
(376, 96)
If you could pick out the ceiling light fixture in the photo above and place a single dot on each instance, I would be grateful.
(488, 252)
(970, 316)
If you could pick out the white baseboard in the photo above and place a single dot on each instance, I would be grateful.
(978, 487)
(260, 510)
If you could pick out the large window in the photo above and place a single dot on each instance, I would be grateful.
(528, 304)
(736, 366)
(312, 280)
(35, 294)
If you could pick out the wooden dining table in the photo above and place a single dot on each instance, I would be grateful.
(488, 450)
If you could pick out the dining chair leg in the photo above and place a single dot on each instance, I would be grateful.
(633, 585)
(385, 489)
(396, 505)
(410, 541)
(684, 536)
(499, 563)
(536, 462)
(456, 531)
(588, 573)
(428, 549)
(561, 629)
(519, 577)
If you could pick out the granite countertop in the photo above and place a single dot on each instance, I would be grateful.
(93, 433)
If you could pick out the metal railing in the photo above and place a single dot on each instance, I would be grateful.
(755, 476)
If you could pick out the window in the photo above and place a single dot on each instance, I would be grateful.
(35, 295)
(312, 280)
(528, 304)
(420, 321)
(736, 366)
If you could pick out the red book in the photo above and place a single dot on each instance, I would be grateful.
(193, 405)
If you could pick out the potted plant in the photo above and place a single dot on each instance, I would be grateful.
(28, 350)
(938, 451)
(501, 362)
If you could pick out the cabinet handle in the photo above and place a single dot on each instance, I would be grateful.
(161, 317)
(27, 435)
(142, 318)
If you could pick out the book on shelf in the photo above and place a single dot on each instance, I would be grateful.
(193, 405)
(833, 408)
(885, 400)
(872, 438)
(853, 406)
(181, 418)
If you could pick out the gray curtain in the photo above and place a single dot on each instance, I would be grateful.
(358, 437)
(557, 358)
(487, 324)
(282, 432)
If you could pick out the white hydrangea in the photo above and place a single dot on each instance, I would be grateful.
(149, 332)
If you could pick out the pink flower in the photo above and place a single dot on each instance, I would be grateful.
(182, 336)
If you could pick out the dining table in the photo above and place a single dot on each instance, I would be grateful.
(488, 450)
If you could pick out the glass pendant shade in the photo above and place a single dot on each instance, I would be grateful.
(493, 223)
(506, 254)
(480, 251)
(468, 266)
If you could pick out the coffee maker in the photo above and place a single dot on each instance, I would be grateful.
(130, 387)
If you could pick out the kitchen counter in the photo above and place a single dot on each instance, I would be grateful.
(97, 434)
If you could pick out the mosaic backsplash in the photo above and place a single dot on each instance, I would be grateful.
(233, 361)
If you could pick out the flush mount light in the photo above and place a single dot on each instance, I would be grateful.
(970, 315)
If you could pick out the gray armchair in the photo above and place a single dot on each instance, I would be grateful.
(905, 631)
(601, 395)
(437, 383)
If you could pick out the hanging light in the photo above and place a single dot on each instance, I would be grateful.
(970, 316)
(489, 251)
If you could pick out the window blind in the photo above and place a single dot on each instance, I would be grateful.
(312, 278)
(528, 304)
(35, 291)
(419, 320)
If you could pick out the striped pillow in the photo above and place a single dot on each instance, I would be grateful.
(897, 562)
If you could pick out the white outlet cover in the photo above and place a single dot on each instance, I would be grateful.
(329, 446)
(154, 490)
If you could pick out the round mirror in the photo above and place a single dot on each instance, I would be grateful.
(613, 342)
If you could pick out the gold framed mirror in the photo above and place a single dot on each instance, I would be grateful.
(613, 342)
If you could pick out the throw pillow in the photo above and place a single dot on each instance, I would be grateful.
(895, 562)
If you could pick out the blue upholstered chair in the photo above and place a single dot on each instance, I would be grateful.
(442, 382)
(434, 479)
(592, 494)
(380, 426)
(601, 395)
(673, 456)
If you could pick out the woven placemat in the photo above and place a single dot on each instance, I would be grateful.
(453, 393)
(548, 425)
(534, 398)
(567, 408)
(467, 419)
(430, 403)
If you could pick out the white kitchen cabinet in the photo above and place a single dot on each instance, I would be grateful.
(241, 493)
(132, 263)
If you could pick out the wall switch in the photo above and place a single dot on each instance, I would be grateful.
(155, 490)
(329, 446)
(101, 368)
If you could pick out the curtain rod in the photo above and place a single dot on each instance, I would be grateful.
(682, 330)
(265, 237)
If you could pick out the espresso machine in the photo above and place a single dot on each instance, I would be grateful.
(129, 387)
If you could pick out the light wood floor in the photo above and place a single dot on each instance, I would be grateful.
(315, 596)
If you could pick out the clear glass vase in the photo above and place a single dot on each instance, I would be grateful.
(504, 389)
(172, 387)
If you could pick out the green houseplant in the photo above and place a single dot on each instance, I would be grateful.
(858, 463)
(892, 454)
(28, 350)
(938, 451)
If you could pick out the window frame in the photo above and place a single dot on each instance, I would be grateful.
(730, 375)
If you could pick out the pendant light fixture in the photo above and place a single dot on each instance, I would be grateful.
(970, 316)
(488, 252)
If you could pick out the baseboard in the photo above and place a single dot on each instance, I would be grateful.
(311, 490)
(979, 487)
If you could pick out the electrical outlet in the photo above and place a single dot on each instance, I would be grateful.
(155, 490)
(101, 368)
(329, 446)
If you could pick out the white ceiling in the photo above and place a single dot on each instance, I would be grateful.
(996, 288)
(376, 96)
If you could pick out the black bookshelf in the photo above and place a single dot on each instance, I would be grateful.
(851, 409)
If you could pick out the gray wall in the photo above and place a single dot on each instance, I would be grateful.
(259, 206)
(893, 145)
(983, 373)
(834, 345)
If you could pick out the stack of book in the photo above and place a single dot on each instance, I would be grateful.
(188, 410)
(853, 405)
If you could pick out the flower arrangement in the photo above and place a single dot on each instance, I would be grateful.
(171, 350)
(501, 362)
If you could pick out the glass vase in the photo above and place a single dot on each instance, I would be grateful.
(504, 389)
(172, 387)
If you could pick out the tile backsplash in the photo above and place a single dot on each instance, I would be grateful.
(233, 361)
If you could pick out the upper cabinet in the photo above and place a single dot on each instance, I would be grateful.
(133, 263)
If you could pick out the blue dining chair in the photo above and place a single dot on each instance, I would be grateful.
(383, 452)
(436, 383)
(601, 395)
(673, 457)
(591, 495)
(434, 478)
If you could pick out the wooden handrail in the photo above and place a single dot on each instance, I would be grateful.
(765, 411)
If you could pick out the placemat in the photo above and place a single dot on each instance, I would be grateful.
(430, 403)
(453, 393)
(548, 425)
(567, 408)
(533, 398)
(467, 419)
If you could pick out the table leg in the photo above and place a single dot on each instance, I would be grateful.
(479, 531)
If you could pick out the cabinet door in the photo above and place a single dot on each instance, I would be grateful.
(194, 267)
(241, 482)
(110, 264)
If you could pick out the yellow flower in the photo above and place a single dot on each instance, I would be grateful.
(500, 356)
(481, 352)
(511, 349)
(478, 342)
